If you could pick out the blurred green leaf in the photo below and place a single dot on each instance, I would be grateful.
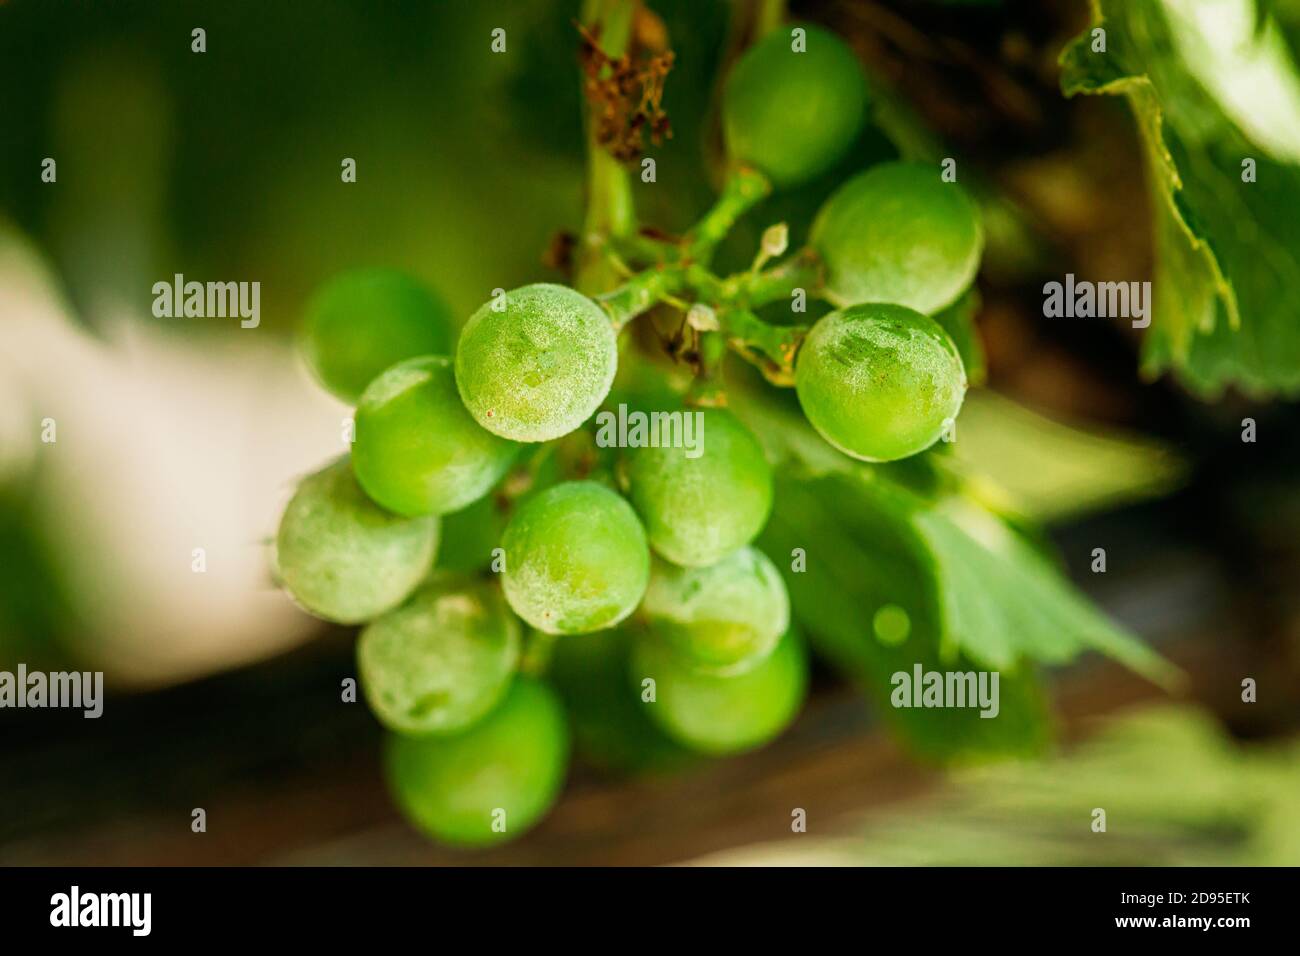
(1003, 601)
(1175, 789)
(1045, 470)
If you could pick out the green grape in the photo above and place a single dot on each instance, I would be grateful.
(361, 322)
(343, 557)
(417, 450)
(696, 510)
(440, 661)
(490, 783)
(793, 114)
(539, 367)
(880, 382)
(576, 559)
(723, 618)
(898, 233)
(723, 714)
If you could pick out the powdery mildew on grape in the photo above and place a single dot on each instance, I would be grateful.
(879, 375)
(442, 660)
(343, 557)
(539, 368)
(576, 559)
(725, 617)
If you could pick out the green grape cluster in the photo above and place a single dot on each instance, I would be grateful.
(490, 542)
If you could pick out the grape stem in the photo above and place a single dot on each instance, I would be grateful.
(610, 210)
(641, 293)
(706, 389)
(755, 289)
(770, 348)
(745, 187)
(771, 14)
(653, 250)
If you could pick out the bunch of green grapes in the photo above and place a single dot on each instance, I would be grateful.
(488, 541)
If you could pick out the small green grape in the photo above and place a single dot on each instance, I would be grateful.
(539, 367)
(361, 322)
(723, 618)
(898, 233)
(723, 714)
(417, 450)
(343, 557)
(696, 510)
(440, 661)
(576, 559)
(490, 783)
(879, 382)
(794, 113)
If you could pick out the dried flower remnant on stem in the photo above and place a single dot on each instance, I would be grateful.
(626, 94)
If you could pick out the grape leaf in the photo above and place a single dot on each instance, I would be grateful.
(1213, 86)
(1002, 600)
(858, 562)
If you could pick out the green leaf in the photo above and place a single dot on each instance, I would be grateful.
(1177, 791)
(1002, 601)
(1212, 85)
